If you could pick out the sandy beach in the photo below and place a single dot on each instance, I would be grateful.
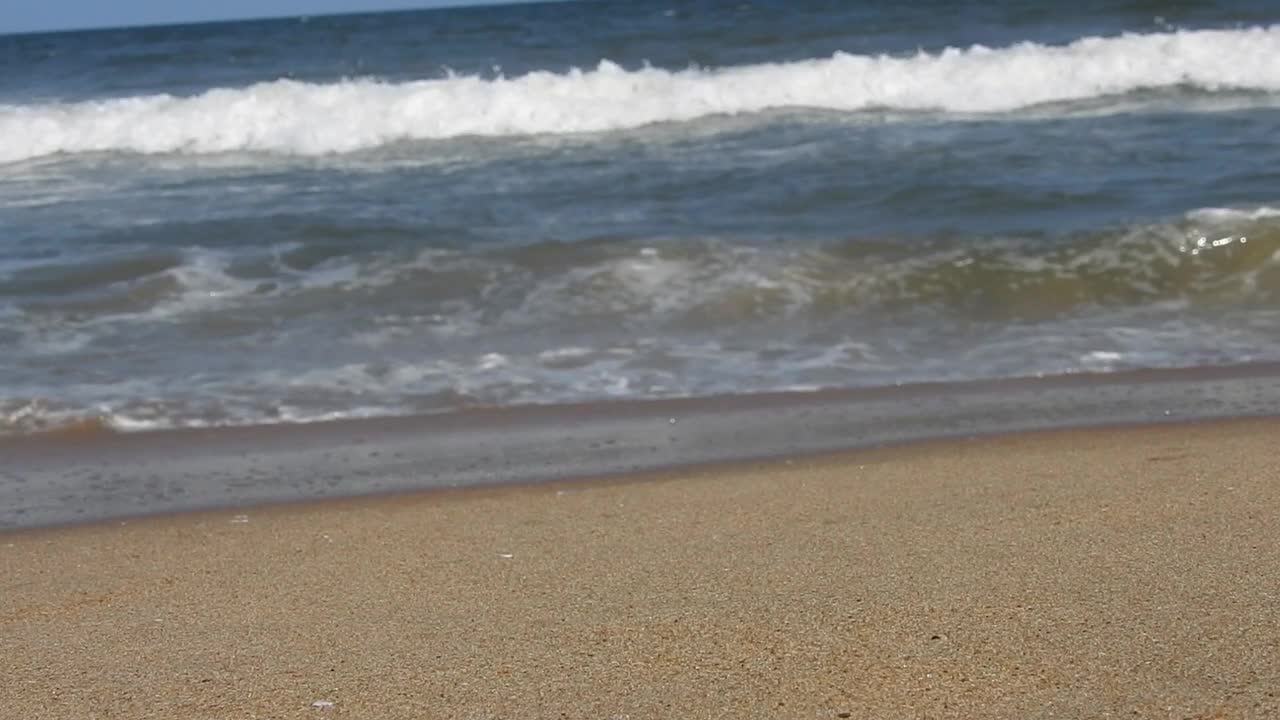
(639, 360)
(1089, 573)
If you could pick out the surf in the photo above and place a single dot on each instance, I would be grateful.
(290, 117)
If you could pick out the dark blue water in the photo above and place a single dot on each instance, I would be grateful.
(414, 212)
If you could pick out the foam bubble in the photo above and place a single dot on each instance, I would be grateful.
(281, 116)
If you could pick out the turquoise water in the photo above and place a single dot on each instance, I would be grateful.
(366, 215)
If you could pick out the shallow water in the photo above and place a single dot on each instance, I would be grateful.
(385, 214)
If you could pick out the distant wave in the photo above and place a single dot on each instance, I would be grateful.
(297, 118)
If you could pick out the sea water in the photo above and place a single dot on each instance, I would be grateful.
(306, 218)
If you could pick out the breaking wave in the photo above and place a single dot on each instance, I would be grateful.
(298, 118)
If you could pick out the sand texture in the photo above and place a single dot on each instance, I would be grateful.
(1122, 573)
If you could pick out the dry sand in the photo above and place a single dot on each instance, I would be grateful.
(1131, 572)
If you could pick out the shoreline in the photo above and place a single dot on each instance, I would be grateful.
(55, 479)
(1074, 573)
(915, 448)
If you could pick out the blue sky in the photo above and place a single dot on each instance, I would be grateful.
(29, 15)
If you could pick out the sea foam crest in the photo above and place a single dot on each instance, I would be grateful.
(300, 118)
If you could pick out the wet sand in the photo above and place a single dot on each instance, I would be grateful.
(1085, 573)
(73, 477)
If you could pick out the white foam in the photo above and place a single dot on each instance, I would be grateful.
(203, 284)
(492, 361)
(564, 355)
(1230, 215)
(290, 117)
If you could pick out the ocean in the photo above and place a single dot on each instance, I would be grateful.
(407, 213)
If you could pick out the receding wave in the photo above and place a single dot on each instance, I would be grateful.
(394, 330)
(290, 117)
